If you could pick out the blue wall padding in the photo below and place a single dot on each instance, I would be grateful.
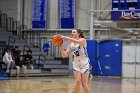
(109, 54)
(110, 57)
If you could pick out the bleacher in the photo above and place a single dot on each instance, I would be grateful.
(12, 34)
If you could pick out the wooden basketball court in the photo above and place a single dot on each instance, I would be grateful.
(65, 84)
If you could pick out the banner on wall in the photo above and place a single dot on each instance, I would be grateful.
(67, 14)
(39, 8)
(130, 10)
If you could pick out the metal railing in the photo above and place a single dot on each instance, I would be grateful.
(41, 60)
(21, 31)
(33, 37)
(15, 26)
(11, 40)
(25, 48)
(9, 24)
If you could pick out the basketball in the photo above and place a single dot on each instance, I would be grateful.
(57, 40)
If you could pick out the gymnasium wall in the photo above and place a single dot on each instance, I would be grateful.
(14, 9)
(9, 7)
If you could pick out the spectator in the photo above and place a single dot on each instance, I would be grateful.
(29, 59)
(16, 53)
(20, 64)
(7, 59)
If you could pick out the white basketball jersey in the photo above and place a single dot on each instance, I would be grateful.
(81, 60)
(78, 51)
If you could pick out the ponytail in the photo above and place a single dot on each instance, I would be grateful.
(81, 35)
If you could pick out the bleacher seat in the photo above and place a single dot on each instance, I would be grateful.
(4, 76)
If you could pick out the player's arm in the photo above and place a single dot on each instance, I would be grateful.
(80, 41)
(65, 53)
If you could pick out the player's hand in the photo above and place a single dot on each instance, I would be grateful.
(62, 36)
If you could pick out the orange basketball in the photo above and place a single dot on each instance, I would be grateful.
(57, 40)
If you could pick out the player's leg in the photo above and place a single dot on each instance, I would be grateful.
(85, 77)
(77, 76)
(84, 80)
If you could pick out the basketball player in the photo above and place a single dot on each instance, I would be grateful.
(81, 60)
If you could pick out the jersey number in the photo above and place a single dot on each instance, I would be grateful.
(76, 53)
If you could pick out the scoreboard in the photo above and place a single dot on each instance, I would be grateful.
(125, 10)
